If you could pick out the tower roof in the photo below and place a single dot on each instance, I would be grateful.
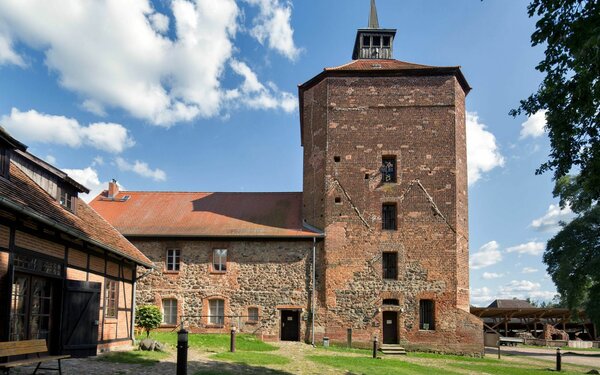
(373, 19)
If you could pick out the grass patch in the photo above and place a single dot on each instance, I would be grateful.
(451, 357)
(136, 357)
(496, 369)
(252, 358)
(216, 342)
(344, 349)
(362, 365)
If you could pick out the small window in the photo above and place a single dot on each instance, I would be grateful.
(111, 296)
(337, 159)
(173, 259)
(376, 41)
(220, 260)
(387, 41)
(253, 314)
(426, 315)
(388, 169)
(390, 266)
(391, 302)
(366, 41)
(338, 200)
(169, 311)
(66, 200)
(388, 216)
(216, 312)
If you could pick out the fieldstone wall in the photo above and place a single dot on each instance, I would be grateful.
(349, 124)
(269, 275)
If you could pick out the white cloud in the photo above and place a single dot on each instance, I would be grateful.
(550, 221)
(534, 126)
(7, 53)
(118, 54)
(529, 248)
(529, 270)
(50, 159)
(88, 177)
(98, 160)
(481, 296)
(33, 126)
(256, 95)
(273, 25)
(483, 153)
(491, 275)
(488, 254)
(141, 169)
(523, 289)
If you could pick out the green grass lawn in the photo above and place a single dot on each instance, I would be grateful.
(137, 357)
(252, 358)
(366, 365)
(215, 342)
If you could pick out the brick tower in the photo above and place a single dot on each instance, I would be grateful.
(385, 178)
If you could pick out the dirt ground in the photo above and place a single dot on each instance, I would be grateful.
(582, 358)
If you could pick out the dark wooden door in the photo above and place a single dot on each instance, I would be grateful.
(290, 325)
(390, 327)
(80, 318)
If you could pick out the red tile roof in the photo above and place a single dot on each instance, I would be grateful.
(22, 192)
(189, 214)
(372, 64)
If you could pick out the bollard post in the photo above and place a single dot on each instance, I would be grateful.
(558, 360)
(182, 351)
(349, 337)
(232, 342)
(375, 346)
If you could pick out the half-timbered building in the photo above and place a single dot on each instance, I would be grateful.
(66, 275)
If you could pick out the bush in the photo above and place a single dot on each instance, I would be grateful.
(148, 317)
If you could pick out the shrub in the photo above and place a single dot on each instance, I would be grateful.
(148, 317)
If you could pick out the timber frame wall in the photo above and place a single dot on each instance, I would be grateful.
(20, 235)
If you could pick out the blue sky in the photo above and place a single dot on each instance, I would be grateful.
(200, 95)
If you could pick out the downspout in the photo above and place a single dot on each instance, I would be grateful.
(314, 262)
(133, 302)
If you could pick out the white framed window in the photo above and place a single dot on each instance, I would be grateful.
(173, 259)
(253, 314)
(220, 260)
(216, 312)
(169, 311)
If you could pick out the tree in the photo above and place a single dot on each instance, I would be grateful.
(570, 97)
(570, 91)
(573, 260)
(148, 317)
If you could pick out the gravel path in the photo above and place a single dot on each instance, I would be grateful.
(582, 358)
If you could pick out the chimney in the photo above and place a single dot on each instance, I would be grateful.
(113, 188)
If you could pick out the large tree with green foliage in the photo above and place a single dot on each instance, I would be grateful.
(570, 95)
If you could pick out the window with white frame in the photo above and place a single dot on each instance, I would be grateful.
(216, 312)
(220, 260)
(169, 311)
(173, 259)
(253, 314)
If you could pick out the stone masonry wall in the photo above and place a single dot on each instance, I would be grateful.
(420, 120)
(269, 275)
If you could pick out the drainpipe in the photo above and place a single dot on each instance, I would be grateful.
(133, 302)
(314, 262)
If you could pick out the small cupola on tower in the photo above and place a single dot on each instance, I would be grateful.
(374, 42)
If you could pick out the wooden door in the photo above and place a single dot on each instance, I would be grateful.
(390, 327)
(80, 318)
(290, 325)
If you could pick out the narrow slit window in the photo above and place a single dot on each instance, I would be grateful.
(253, 314)
(338, 200)
(390, 266)
(220, 260)
(388, 216)
(111, 296)
(337, 159)
(426, 315)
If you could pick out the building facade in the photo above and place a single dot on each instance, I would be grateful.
(66, 275)
(384, 210)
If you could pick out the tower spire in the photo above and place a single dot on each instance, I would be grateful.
(373, 19)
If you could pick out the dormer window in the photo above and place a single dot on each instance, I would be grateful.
(67, 199)
(4, 162)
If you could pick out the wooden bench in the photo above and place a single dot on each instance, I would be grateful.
(28, 347)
